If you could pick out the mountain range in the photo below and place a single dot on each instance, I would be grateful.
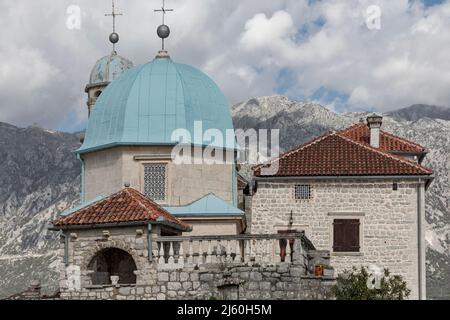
(40, 178)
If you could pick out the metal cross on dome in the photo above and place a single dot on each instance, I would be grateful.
(163, 10)
(114, 37)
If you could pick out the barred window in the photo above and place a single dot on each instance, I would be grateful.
(303, 192)
(155, 181)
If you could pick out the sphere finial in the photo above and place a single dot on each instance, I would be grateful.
(114, 38)
(163, 31)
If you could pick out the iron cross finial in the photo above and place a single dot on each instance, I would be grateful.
(114, 37)
(163, 10)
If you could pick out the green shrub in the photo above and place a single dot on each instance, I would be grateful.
(353, 285)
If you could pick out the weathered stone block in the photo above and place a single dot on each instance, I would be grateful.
(161, 296)
(194, 276)
(174, 286)
(163, 276)
(206, 277)
(184, 276)
(256, 276)
(253, 286)
(124, 291)
(187, 286)
(265, 286)
(139, 291)
(297, 272)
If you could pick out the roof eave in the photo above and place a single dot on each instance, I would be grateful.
(82, 151)
(312, 177)
(120, 225)
(218, 216)
(98, 84)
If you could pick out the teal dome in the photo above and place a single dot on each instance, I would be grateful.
(109, 68)
(148, 103)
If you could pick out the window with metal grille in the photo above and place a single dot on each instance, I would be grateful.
(155, 181)
(346, 235)
(303, 192)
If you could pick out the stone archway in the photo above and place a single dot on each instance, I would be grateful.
(89, 252)
(112, 262)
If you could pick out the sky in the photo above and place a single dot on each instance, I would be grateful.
(352, 55)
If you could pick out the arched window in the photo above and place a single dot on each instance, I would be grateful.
(112, 262)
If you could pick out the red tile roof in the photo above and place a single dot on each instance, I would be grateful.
(124, 206)
(334, 154)
(388, 142)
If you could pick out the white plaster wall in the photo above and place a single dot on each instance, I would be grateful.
(107, 171)
(214, 227)
(102, 173)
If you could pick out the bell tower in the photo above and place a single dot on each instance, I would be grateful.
(107, 68)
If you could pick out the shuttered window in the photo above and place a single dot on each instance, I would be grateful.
(346, 237)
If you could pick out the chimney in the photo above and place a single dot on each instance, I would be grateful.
(374, 122)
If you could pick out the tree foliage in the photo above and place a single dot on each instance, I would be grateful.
(356, 285)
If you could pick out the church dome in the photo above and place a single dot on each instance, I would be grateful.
(148, 103)
(109, 68)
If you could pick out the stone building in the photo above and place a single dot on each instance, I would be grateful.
(140, 116)
(128, 247)
(359, 193)
(151, 227)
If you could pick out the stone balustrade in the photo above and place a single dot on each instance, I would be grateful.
(181, 252)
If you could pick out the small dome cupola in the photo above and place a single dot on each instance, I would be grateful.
(108, 68)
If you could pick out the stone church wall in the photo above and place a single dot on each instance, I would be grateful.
(237, 282)
(220, 280)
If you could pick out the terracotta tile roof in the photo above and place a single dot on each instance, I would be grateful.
(334, 154)
(127, 205)
(388, 142)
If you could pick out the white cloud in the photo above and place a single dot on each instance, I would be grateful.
(262, 32)
(242, 45)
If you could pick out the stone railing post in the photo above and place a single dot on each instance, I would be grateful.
(201, 255)
(238, 256)
(288, 258)
(181, 255)
(209, 253)
(277, 258)
(161, 260)
(179, 252)
(190, 259)
(171, 260)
